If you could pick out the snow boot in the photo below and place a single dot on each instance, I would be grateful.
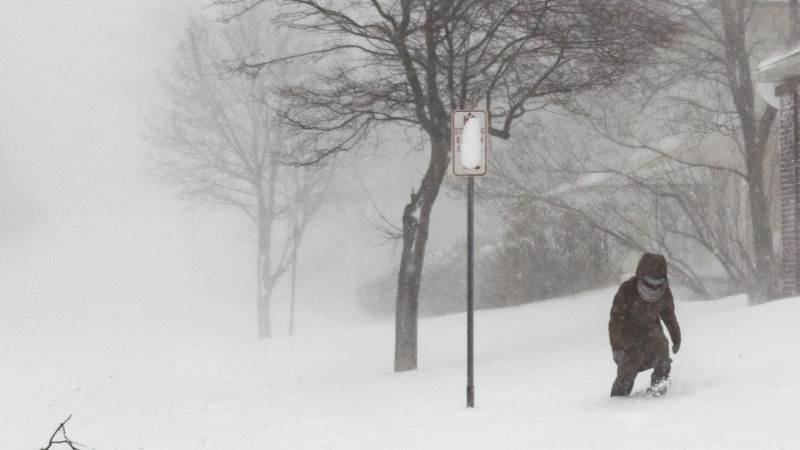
(659, 389)
(659, 380)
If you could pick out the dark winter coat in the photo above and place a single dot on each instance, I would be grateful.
(635, 325)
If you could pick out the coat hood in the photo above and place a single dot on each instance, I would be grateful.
(652, 264)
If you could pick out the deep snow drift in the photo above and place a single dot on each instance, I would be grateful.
(543, 375)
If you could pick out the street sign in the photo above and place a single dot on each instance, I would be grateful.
(470, 148)
(470, 143)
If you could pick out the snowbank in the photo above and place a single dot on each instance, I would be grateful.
(543, 375)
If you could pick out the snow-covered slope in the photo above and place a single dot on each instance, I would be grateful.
(543, 376)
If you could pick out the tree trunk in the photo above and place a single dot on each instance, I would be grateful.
(294, 278)
(265, 285)
(262, 298)
(264, 315)
(763, 287)
(416, 221)
(755, 134)
(266, 212)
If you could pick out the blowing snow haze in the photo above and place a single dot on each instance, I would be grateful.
(92, 247)
(131, 302)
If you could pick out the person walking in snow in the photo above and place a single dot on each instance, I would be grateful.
(637, 338)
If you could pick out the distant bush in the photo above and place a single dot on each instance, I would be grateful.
(541, 254)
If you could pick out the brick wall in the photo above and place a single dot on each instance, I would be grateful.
(788, 134)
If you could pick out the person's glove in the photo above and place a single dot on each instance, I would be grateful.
(676, 346)
(619, 356)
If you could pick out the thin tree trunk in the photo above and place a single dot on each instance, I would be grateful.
(259, 289)
(416, 222)
(264, 315)
(265, 290)
(294, 282)
(266, 213)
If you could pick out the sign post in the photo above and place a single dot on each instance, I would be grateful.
(470, 144)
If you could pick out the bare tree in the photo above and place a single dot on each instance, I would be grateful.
(644, 201)
(409, 63)
(720, 44)
(695, 113)
(306, 188)
(219, 144)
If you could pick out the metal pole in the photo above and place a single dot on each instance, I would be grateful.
(470, 306)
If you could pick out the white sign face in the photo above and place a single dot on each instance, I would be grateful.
(470, 143)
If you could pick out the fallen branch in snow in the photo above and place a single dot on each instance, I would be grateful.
(54, 440)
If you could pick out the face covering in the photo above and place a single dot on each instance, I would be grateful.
(651, 288)
(654, 281)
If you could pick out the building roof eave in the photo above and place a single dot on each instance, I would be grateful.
(779, 68)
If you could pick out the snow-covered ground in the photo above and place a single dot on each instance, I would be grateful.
(543, 375)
